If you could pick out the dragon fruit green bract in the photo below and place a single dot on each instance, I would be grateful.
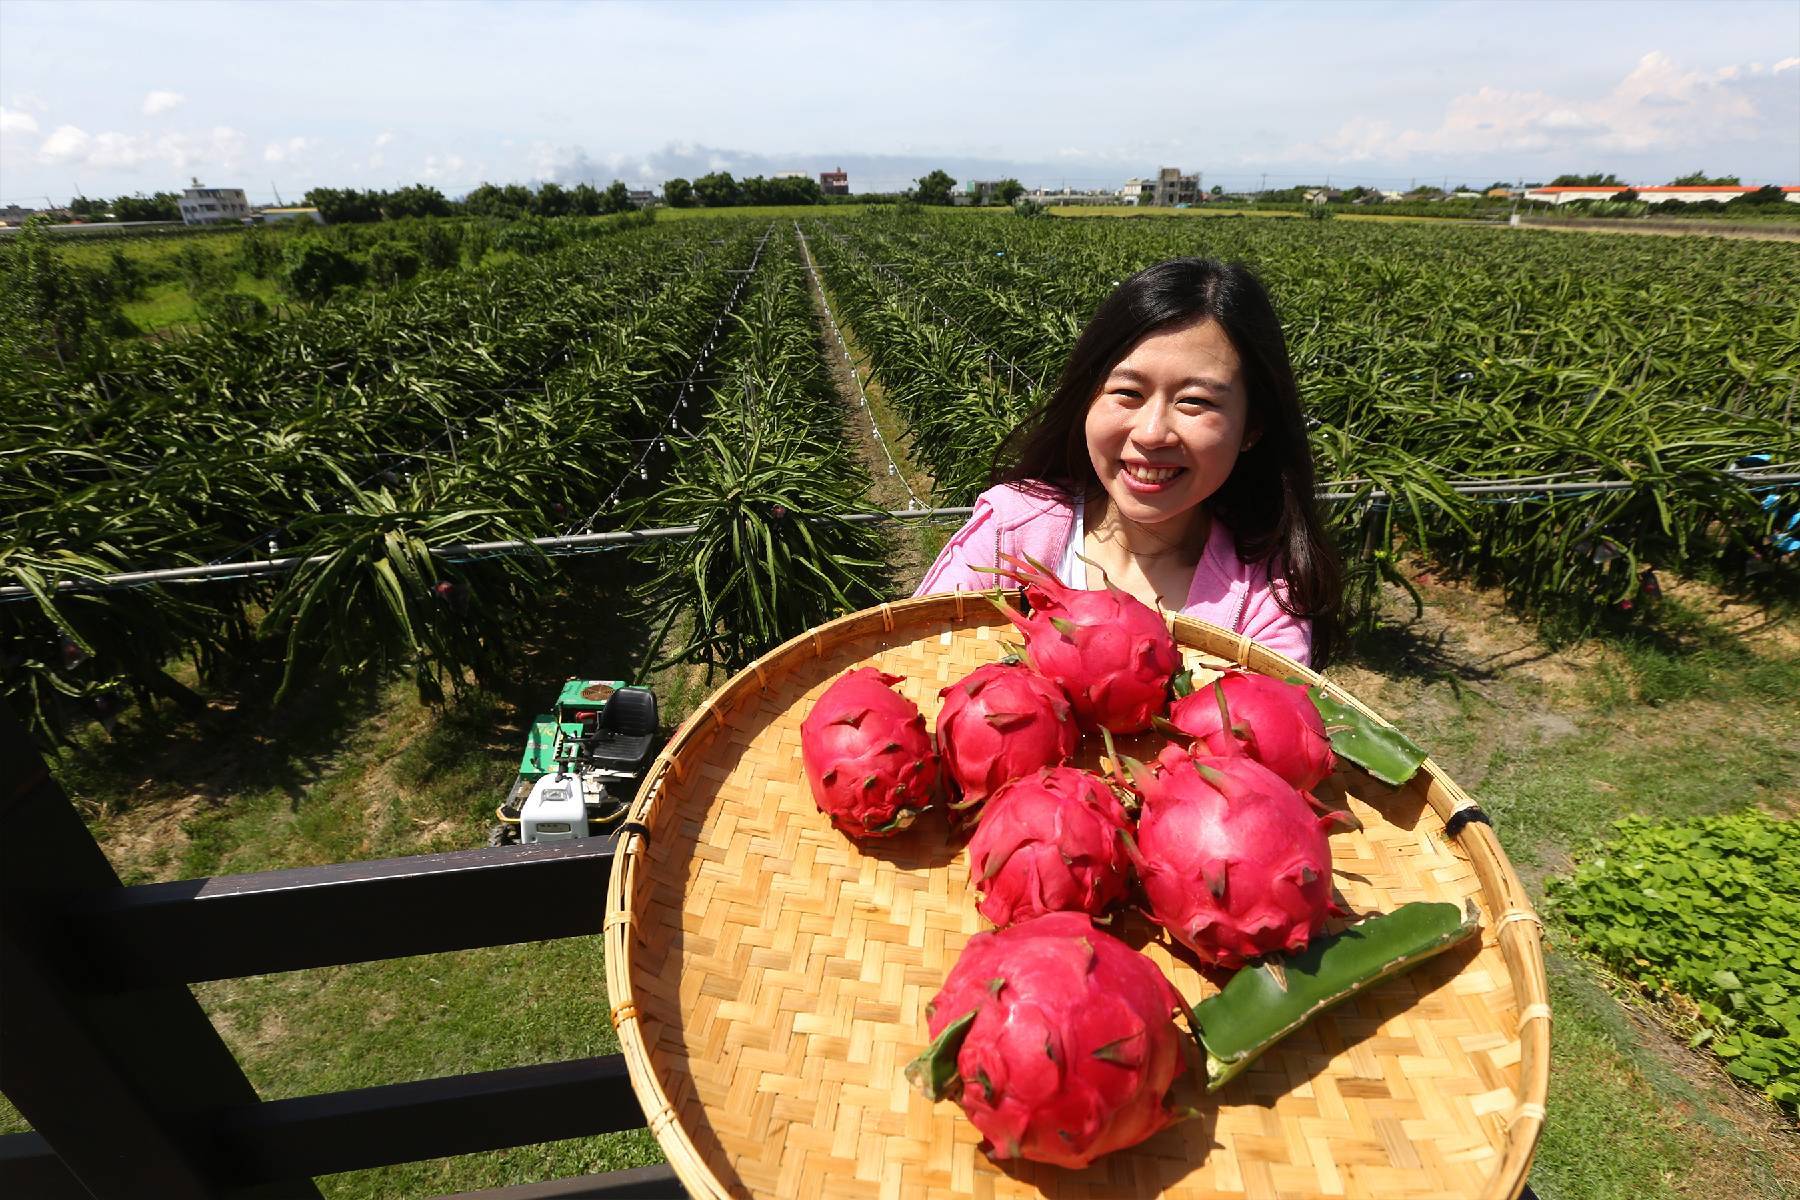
(1108, 650)
(868, 756)
(1050, 842)
(1275, 723)
(1001, 722)
(1233, 862)
(1057, 1039)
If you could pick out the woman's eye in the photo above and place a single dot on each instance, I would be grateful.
(1202, 401)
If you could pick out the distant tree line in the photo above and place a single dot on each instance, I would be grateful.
(720, 190)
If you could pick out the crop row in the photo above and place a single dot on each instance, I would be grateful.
(506, 403)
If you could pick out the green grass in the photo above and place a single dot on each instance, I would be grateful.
(168, 305)
(1622, 1124)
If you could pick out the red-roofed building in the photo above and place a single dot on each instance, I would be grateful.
(1662, 194)
(834, 183)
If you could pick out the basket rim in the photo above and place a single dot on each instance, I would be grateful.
(1517, 929)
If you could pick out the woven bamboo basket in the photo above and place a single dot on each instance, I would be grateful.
(770, 976)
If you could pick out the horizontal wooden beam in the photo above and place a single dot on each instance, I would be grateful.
(430, 1118)
(229, 926)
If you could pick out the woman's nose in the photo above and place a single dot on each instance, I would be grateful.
(1154, 427)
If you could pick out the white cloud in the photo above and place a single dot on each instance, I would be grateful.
(220, 148)
(384, 138)
(157, 103)
(445, 167)
(1786, 64)
(1658, 106)
(65, 143)
(14, 121)
(293, 148)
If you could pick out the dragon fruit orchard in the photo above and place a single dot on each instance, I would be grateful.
(1057, 1039)
(1233, 861)
(867, 754)
(1053, 841)
(1000, 722)
(1274, 722)
(1107, 649)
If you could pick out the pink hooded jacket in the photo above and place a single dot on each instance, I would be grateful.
(1226, 590)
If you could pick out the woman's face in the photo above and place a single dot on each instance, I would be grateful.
(1169, 422)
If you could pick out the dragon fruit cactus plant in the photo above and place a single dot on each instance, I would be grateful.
(868, 755)
(1050, 842)
(1001, 722)
(1274, 722)
(1108, 650)
(1233, 862)
(1057, 1039)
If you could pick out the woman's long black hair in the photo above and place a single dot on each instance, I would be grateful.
(1267, 502)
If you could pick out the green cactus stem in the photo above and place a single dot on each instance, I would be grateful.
(1264, 1003)
(1382, 750)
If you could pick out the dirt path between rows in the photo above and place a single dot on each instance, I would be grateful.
(875, 431)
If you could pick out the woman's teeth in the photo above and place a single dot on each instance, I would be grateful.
(1151, 474)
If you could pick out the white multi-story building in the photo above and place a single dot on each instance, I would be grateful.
(213, 206)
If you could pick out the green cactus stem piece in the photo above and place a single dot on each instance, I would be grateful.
(1264, 1003)
(1382, 750)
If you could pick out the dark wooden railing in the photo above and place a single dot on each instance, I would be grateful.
(130, 1090)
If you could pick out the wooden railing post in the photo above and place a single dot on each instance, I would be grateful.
(120, 1085)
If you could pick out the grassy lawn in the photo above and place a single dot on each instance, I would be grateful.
(168, 305)
(1695, 718)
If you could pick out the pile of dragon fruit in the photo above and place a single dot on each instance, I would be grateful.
(1057, 1038)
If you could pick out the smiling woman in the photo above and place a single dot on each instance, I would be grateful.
(1171, 459)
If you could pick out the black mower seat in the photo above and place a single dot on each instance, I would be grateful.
(628, 728)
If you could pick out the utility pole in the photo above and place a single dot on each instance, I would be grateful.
(1264, 186)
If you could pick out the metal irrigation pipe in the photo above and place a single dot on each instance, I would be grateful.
(565, 543)
(584, 542)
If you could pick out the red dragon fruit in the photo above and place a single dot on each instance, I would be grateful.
(999, 723)
(1275, 723)
(1108, 650)
(1057, 1039)
(1050, 842)
(1233, 861)
(867, 754)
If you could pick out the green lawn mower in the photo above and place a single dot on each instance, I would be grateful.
(582, 764)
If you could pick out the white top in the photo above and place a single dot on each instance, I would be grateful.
(1071, 570)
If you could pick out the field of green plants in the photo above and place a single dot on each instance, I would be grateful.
(381, 480)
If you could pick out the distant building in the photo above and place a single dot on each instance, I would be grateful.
(643, 199)
(13, 214)
(983, 191)
(834, 183)
(1172, 188)
(276, 216)
(789, 175)
(1138, 191)
(1322, 195)
(213, 206)
(1499, 193)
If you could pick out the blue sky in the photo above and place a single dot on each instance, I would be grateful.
(138, 96)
